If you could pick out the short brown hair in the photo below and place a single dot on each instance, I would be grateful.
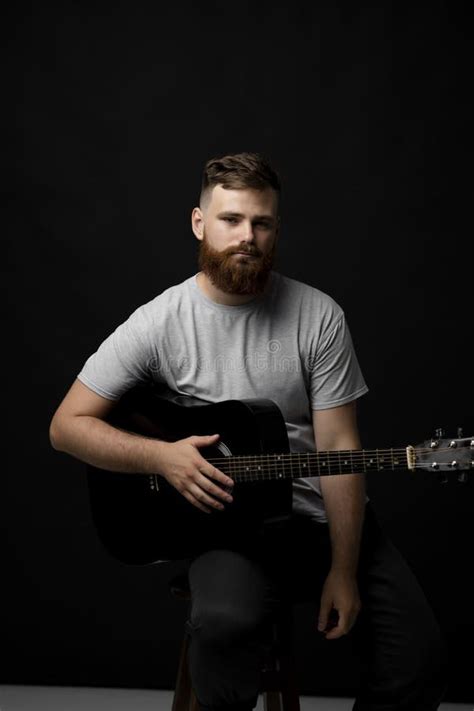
(238, 171)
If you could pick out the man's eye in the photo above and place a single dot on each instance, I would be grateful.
(234, 220)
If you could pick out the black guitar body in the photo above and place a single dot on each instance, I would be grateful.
(142, 519)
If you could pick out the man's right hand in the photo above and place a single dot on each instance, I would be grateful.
(184, 468)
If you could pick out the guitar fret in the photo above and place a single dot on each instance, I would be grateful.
(344, 465)
(379, 459)
(281, 474)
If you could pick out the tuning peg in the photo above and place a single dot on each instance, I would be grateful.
(442, 478)
(462, 477)
(439, 432)
(459, 432)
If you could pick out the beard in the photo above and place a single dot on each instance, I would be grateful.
(236, 275)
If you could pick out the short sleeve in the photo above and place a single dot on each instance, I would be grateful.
(335, 377)
(122, 360)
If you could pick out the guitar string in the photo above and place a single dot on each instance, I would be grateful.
(232, 472)
(247, 476)
(330, 454)
(266, 461)
(237, 465)
(353, 454)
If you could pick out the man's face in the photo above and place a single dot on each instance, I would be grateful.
(236, 221)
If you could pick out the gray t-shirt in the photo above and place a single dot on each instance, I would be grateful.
(289, 344)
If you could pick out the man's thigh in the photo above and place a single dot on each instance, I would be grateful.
(229, 588)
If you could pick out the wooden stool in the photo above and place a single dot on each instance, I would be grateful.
(277, 675)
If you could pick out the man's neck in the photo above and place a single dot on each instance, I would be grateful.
(222, 297)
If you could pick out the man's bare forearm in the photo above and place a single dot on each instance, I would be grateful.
(95, 442)
(344, 500)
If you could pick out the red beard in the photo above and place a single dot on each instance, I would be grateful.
(236, 275)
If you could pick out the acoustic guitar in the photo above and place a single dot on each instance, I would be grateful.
(142, 519)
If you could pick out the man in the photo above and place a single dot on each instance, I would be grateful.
(284, 340)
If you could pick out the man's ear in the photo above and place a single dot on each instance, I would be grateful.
(197, 222)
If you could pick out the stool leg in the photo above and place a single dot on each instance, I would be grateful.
(183, 691)
(286, 669)
(193, 705)
(281, 692)
(289, 691)
(272, 701)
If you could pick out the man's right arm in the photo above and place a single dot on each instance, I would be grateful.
(78, 428)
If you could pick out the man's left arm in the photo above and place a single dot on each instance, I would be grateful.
(344, 499)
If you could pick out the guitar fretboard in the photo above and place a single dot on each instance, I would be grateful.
(310, 464)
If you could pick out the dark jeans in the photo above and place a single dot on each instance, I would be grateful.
(233, 592)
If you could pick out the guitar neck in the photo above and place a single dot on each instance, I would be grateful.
(297, 465)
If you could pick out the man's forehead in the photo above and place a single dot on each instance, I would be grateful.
(246, 198)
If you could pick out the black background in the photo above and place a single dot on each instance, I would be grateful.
(364, 112)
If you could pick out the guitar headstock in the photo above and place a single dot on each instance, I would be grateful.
(445, 456)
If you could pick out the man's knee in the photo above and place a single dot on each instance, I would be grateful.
(224, 624)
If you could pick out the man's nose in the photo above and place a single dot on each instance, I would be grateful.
(248, 231)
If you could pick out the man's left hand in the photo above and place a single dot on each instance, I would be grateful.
(340, 604)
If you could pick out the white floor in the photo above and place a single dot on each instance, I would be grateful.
(51, 698)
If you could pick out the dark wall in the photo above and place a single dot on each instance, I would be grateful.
(364, 112)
